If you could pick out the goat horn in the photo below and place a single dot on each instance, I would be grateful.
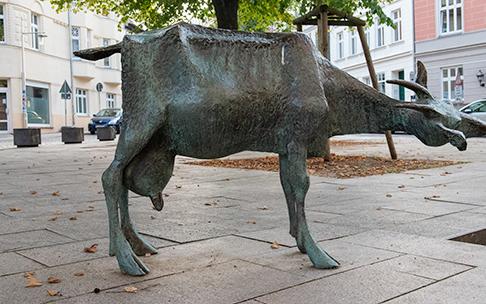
(422, 93)
(425, 109)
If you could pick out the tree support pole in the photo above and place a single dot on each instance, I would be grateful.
(374, 81)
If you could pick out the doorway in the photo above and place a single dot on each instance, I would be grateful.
(3, 110)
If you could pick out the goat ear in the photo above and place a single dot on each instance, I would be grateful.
(427, 110)
(421, 78)
(422, 93)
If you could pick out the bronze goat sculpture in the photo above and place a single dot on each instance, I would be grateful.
(208, 93)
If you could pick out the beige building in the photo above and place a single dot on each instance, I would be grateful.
(48, 64)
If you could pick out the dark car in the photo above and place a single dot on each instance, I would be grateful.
(106, 117)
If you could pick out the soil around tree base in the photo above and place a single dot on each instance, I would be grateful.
(341, 166)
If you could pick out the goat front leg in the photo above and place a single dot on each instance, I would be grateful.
(295, 183)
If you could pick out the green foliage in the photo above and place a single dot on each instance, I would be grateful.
(253, 15)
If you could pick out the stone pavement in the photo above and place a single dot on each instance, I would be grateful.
(391, 233)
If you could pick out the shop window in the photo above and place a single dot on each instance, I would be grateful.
(37, 105)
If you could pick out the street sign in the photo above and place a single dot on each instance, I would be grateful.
(99, 87)
(65, 91)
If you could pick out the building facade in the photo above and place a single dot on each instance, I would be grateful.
(391, 49)
(450, 39)
(48, 41)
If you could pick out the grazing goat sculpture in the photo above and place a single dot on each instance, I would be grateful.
(208, 93)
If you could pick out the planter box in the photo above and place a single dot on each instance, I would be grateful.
(105, 133)
(27, 137)
(72, 135)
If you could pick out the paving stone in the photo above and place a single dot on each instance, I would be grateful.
(11, 262)
(377, 218)
(423, 267)
(363, 285)
(74, 252)
(465, 288)
(452, 251)
(350, 256)
(30, 239)
(319, 231)
(223, 283)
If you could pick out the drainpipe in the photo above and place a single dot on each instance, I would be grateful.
(413, 41)
(73, 94)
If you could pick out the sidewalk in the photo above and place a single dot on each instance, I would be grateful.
(390, 233)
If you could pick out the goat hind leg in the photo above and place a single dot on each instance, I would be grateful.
(147, 175)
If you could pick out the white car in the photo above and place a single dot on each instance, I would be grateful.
(476, 108)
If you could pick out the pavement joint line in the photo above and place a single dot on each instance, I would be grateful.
(262, 241)
(312, 280)
(446, 214)
(424, 286)
(60, 234)
(29, 258)
(16, 232)
(452, 202)
(161, 238)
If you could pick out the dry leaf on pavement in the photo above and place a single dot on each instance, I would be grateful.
(53, 293)
(91, 249)
(53, 280)
(14, 209)
(275, 245)
(130, 289)
(79, 274)
(56, 193)
(31, 280)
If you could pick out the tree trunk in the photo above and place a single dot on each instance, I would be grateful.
(226, 13)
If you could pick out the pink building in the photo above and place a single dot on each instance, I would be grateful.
(450, 38)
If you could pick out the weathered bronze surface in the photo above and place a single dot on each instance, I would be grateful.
(208, 93)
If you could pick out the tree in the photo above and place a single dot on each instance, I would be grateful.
(249, 15)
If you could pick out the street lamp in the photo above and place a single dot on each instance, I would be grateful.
(24, 78)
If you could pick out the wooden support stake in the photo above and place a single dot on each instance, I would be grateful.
(323, 34)
(374, 81)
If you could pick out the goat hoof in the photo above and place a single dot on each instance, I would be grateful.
(158, 201)
(129, 263)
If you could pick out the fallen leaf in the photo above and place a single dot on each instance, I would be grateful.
(91, 249)
(73, 218)
(53, 293)
(56, 193)
(53, 280)
(52, 219)
(130, 289)
(275, 245)
(263, 208)
(14, 209)
(401, 186)
(251, 222)
(79, 274)
(33, 192)
(341, 188)
(388, 195)
(31, 280)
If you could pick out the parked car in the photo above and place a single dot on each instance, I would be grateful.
(106, 117)
(476, 108)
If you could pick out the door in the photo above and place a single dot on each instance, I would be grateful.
(3, 111)
(401, 89)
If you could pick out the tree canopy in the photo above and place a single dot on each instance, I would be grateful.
(252, 15)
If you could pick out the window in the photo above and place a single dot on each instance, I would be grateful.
(397, 22)
(354, 42)
(368, 37)
(380, 35)
(75, 34)
(110, 100)
(34, 28)
(452, 83)
(381, 82)
(366, 80)
(81, 101)
(106, 61)
(37, 104)
(450, 15)
(2, 24)
(340, 45)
